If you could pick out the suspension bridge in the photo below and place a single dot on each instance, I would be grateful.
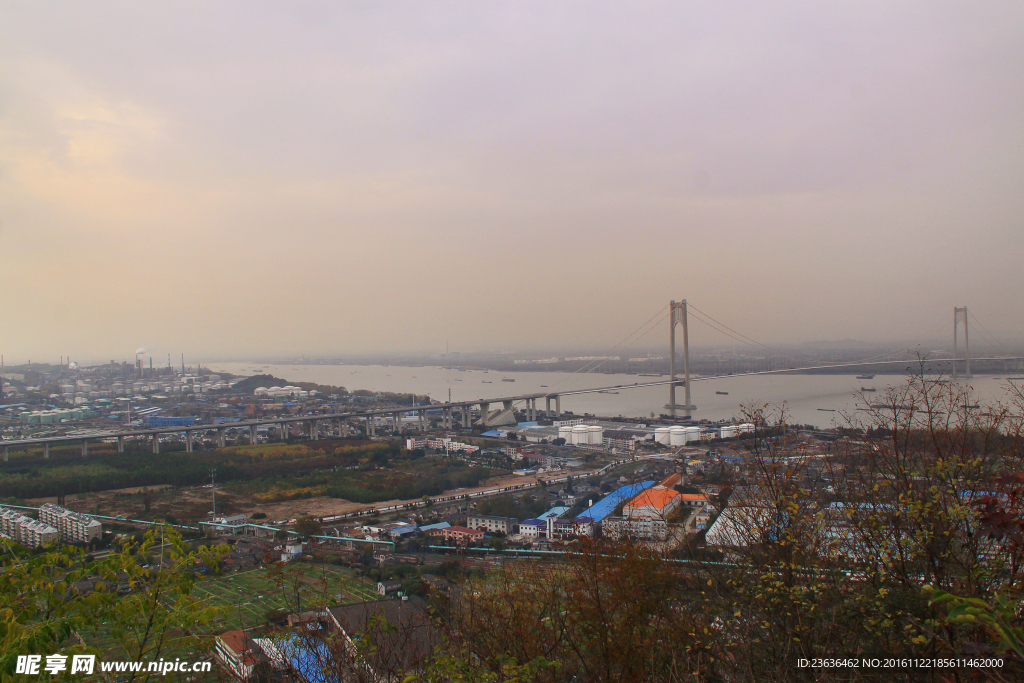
(497, 409)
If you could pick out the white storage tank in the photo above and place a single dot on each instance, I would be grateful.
(692, 434)
(661, 435)
(565, 432)
(596, 434)
(580, 434)
(728, 432)
(745, 428)
(677, 436)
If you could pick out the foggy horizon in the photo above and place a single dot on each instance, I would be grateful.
(258, 181)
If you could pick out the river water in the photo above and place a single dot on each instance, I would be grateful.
(802, 395)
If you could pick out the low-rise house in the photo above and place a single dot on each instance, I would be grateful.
(533, 528)
(702, 517)
(238, 653)
(435, 529)
(389, 587)
(491, 523)
(694, 500)
(462, 535)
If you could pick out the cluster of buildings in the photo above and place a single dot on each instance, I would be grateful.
(55, 523)
(284, 392)
(617, 437)
(25, 530)
(441, 444)
(648, 510)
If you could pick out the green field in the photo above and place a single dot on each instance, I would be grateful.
(249, 595)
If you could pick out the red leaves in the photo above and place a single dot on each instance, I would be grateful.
(1001, 514)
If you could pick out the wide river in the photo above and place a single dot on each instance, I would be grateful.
(802, 395)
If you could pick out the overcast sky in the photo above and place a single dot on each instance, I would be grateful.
(246, 178)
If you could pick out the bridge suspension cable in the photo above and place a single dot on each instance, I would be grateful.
(988, 335)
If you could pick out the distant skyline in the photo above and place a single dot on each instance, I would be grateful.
(263, 180)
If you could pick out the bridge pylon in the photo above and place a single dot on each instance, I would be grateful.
(677, 316)
(960, 315)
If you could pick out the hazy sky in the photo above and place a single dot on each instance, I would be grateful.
(244, 178)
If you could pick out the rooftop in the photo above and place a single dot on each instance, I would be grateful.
(657, 498)
(608, 504)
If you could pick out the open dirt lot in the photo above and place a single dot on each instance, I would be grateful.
(194, 504)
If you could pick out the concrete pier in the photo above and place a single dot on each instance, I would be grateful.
(120, 444)
(188, 441)
(156, 443)
(85, 448)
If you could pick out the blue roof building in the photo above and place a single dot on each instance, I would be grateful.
(598, 511)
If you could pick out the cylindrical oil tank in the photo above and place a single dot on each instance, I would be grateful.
(745, 428)
(661, 435)
(692, 434)
(579, 434)
(596, 435)
(727, 432)
(565, 432)
(677, 436)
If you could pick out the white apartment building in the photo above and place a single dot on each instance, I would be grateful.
(26, 530)
(443, 444)
(74, 527)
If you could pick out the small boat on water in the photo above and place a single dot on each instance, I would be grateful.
(865, 376)
(487, 381)
(722, 393)
(827, 410)
(507, 380)
(543, 386)
(868, 389)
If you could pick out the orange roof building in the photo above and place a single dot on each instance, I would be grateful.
(656, 502)
(694, 500)
(672, 480)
